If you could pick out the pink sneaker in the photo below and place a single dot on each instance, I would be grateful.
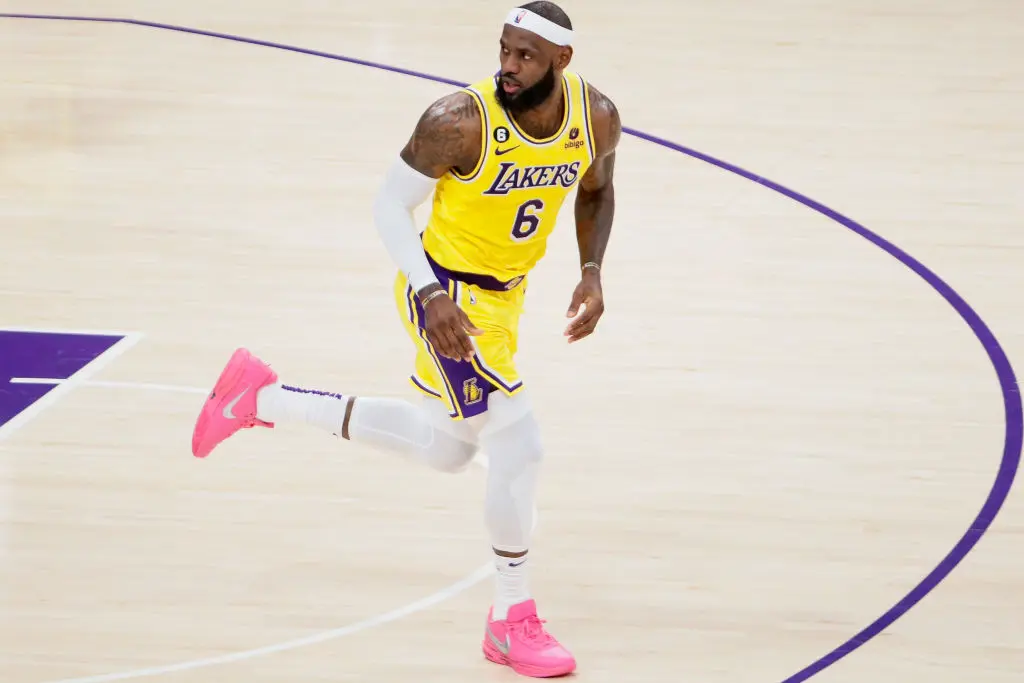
(521, 642)
(231, 405)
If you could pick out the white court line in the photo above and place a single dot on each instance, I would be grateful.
(129, 340)
(454, 589)
(395, 614)
(53, 330)
(114, 385)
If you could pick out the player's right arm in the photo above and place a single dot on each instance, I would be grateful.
(447, 136)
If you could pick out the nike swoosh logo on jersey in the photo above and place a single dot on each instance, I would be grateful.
(499, 152)
(230, 407)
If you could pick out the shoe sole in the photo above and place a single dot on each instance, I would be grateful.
(493, 654)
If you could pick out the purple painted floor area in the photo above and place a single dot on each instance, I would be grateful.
(1014, 415)
(42, 354)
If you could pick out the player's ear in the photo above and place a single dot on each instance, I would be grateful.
(563, 58)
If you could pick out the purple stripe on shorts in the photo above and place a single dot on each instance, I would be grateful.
(416, 318)
(470, 388)
(495, 379)
(416, 380)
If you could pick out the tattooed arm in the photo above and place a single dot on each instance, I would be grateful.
(447, 136)
(595, 209)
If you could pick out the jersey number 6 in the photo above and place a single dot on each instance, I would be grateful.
(527, 221)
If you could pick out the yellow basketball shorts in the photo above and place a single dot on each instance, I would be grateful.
(465, 386)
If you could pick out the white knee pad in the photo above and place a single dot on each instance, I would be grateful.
(515, 453)
(514, 444)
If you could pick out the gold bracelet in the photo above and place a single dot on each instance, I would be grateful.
(433, 295)
(430, 297)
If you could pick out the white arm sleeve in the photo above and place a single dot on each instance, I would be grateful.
(403, 190)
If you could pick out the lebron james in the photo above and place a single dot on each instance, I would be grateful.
(500, 156)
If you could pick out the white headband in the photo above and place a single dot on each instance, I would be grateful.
(534, 23)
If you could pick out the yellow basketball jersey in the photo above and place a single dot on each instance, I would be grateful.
(496, 220)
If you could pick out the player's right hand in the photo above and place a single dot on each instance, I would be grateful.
(448, 328)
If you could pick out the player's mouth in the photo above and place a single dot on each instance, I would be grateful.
(510, 88)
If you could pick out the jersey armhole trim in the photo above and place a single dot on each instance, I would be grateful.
(484, 128)
(588, 122)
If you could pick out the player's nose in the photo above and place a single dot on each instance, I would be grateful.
(510, 66)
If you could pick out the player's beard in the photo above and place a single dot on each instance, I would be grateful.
(527, 98)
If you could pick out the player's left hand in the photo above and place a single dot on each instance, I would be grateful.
(588, 294)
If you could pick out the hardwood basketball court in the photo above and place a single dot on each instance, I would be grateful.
(787, 430)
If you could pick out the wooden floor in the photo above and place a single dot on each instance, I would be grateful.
(779, 431)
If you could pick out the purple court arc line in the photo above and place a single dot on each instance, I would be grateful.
(1014, 415)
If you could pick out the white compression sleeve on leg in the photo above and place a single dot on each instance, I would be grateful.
(405, 428)
(514, 455)
(404, 188)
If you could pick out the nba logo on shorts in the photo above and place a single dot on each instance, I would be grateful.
(519, 17)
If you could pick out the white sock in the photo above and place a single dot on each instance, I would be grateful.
(283, 403)
(511, 585)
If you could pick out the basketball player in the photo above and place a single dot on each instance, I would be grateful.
(500, 157)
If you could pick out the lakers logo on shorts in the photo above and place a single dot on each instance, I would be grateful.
(471, 393)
